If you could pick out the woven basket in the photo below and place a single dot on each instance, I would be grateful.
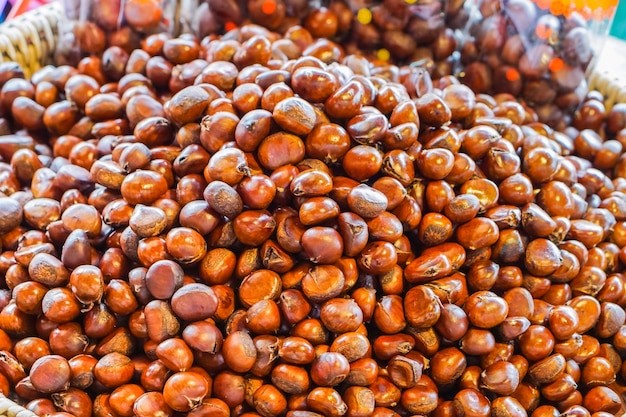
(30, 39)
(9, 409)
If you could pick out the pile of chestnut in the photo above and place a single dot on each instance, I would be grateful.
(266, 225)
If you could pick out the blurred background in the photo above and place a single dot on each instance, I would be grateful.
(9, 8)
(619, 22)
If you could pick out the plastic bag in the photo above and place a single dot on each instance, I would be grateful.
(69, 48)
(93, 25)
(403, 31)
(399, 31)
(538, 50)
(220, 16)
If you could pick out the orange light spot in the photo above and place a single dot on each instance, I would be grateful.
(268, 7)
(557, 8)
(512, 74)
(230, 26)
(543, 31)
(556, 64)
(593, 4)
